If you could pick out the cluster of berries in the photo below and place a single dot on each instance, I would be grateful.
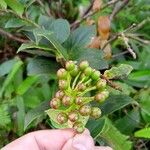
(79, 87)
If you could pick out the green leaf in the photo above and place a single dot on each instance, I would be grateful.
(4, 116)
(93, 56)
(139, 78)
(113, 137)
(61, 29)
(20, 115)
(115, 102)
(52, 113)
(119, 72)
(61, 51)
(3, 4)
(80, 38)
(39, 65)
(14, 23)
(143, 133)
(26, 84)
(16, 6)
(11, 76)
(6, 67)
(26, 46)
(129, 122)
(35, 113)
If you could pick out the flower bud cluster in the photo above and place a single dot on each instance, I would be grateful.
(76, 83)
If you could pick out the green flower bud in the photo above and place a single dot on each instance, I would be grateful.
(101, 84)
(55, 103)
(74, 72)
(79, 100)
(81, 87)
(85, 110)
(70, 65)
(62, 73)
(63, 85)
(67, 100)
(62, 118)
(83, 65)
(95, 112)
(88, 71)
(95, 75)
(73, 116)
(78, 127)
(100, 97)
(59, 94)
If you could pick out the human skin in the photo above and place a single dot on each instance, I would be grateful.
(65, 139)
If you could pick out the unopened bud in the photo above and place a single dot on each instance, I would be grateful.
(55, 103)
(88, 71)
(95, 112)
(95, 75)
(70, 65)
(73, 116)
(78, 127)
(62, 73)
(63, 84)
(62, 118)
(85, 110)
(59, 94)
(101, 84)
(83, 65)
(67, 100)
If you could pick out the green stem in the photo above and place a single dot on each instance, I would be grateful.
(87, 90)
(75, 80)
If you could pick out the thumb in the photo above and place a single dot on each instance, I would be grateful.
(80, 142)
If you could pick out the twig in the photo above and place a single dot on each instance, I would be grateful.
(118, 7)
(10, 36)
(76, 23)
(112, 84)
(120, 54)
(141, 24)
(126, 40)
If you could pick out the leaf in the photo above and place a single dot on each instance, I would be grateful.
(20, 115)
(11, 76)
(104, 27)
(139, 78)
(61, 29)
(52, 113)
(39, 66)
(3, 4)
(93, 56)
(35, 113)
(6, 67)
(26, 46)
(16, 6)
(129, 122)
(80, 38)
(114, 103)
(26, 84)
(143, 133)
(114, 138)
(97, 5)
(4, 116)
(61, 51)
(119, 72)
(14, 23)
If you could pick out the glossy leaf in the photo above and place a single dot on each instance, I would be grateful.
(16, 6)
(115, 102)
(26, 84)
(93, 56)
(119, 72)
(143, 133)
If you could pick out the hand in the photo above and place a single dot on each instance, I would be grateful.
(55, 140)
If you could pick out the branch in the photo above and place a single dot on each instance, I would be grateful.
(126, 42)
(11, 36)
(77, 22)
(118, 7)
(112, 84)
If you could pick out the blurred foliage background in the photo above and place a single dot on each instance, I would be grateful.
(37, 36)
